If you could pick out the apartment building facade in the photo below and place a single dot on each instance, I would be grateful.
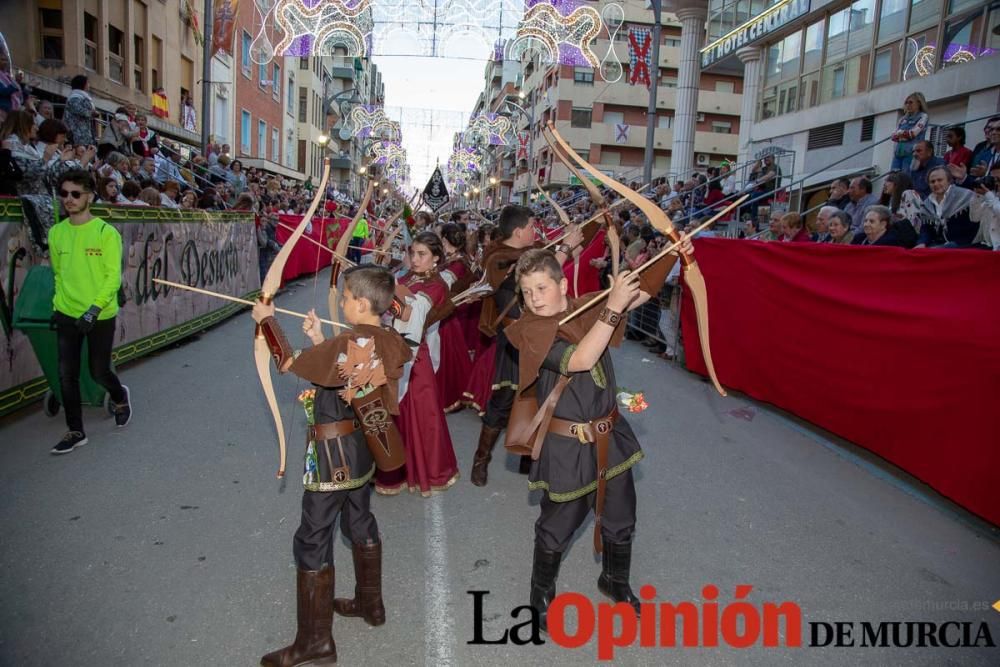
(127, 49)
(826, 80)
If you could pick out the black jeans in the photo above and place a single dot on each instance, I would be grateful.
(100, 340)
(313, 543)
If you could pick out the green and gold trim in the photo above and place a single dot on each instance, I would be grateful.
(354, 483)
(597, 372)
(567, 496)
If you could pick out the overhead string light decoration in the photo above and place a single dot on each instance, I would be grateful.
(490, 129)
(559, 31)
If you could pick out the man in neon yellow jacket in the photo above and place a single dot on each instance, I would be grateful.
(86, 256)
(358, 240)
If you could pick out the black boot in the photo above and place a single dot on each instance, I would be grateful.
(367, 600)
(524, 465)
(313, 643)
(488, 437)
(616, 563)
(544, 571)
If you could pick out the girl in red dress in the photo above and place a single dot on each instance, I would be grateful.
(430, 458)
(456, 363)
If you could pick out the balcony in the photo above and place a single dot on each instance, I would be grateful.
(339, 72)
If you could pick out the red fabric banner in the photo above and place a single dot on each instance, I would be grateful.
(895, 350)
(306, 257)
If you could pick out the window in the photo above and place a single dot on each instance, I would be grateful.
(882, 72)
(583, 75)
(671, 42)
(611, 158)
(261, 139)
(722, 127)
(51, 22)
(668, 81)
(245, 53)
(116, 54)
(138, 62)
(245, 132)
(262, 75)
(725, 87)
(275, 145)
(303, 65)
(276, 82)
(303, 104)
(581, 117)
(614, 117)
(664, 122)
(812, 55)
(157, 67)
(892, 20)
(924, 13)
(290, 102)
(90, 42)
(783, 59)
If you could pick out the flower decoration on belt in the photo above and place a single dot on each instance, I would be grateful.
(308, 400)
(632, 401)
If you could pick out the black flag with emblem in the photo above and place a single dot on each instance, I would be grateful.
(436, 193)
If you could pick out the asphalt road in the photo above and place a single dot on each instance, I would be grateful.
(169, 542)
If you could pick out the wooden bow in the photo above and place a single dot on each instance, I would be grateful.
(661, 221)
(341, 250)
(269, 287)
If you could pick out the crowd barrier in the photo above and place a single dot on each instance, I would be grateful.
(895, 350)
(211, 250)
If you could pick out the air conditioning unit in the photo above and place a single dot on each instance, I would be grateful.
(701, 159)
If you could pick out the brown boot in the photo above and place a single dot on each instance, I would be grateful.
(367, 601)
(488, 437)
(314, 640)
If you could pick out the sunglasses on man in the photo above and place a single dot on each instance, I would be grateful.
(75, 194)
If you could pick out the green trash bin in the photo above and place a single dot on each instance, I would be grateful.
(33, 317)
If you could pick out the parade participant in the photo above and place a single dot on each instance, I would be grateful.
(349, 372)
(569, 370)
(86, 257)
(516, 235)
(480, 384)
(430, 457)
(456, 364)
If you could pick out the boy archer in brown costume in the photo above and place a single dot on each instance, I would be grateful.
(584, 450)
(355, 376)
(516, 235)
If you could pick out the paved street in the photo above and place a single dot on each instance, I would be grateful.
(169, 542)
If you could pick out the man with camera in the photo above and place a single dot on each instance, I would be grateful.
(86, 256)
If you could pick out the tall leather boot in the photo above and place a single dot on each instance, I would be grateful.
(544, 571)
(367, 601)
(488, 437)
(616, 565)
(313, 643)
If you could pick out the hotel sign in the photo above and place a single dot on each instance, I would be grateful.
(756, 28)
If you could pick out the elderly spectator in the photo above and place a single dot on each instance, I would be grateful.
(838, 193)
(147, 170)
(171, 192)
(80, 112)
(924, 161)
(951, 213)
(794, 228)
(40, 167)
(823, 218)
(115, 166)
(876, 229)
(117, 136)
(861, 196)
(840, 228)
(44, 112)
(911, 128)
(957, 153)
